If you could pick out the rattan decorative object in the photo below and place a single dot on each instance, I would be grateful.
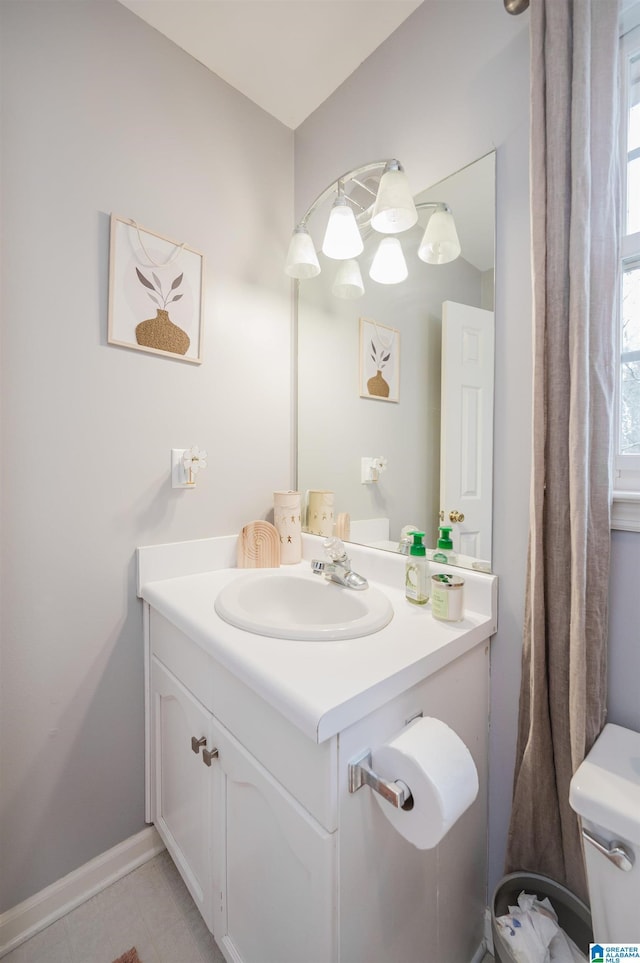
(259, 546)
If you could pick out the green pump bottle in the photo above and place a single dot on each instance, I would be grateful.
(444, 552)
(416, 581)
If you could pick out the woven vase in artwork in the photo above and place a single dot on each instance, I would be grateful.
(161, 333)
(378, 386)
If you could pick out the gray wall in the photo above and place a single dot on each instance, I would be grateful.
(624, 635)
(102, 114)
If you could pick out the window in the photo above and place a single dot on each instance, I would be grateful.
(626, 512)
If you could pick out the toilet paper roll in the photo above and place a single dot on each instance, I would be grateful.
(440, 772)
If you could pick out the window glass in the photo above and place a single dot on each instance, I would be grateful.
(630, 371)
(633, 147)
(633, 196)
(626, 495)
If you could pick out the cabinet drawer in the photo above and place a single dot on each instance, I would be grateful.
(308, 770)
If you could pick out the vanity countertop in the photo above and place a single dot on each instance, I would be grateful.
(321, 687)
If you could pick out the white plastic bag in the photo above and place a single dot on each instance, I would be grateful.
(532, 934)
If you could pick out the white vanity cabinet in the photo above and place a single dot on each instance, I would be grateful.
(285, 863)
(259, 865)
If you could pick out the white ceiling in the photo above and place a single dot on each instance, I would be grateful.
(287, 56)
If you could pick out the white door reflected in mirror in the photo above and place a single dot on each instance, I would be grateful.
(466, 427)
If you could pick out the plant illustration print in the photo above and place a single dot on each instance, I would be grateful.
(156, 288)
(379, 361)
(160, 332)
(379, 357)
(377, 385)
(156, 292)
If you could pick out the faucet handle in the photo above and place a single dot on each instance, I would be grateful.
(334, 547)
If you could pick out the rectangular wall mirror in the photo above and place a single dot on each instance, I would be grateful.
(420, 453)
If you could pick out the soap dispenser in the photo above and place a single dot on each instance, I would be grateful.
(444, 551)
(416, 580)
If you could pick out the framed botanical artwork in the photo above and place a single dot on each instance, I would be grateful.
(156, 293)
(379, 361)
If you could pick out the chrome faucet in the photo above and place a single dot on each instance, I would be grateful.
(339, 568)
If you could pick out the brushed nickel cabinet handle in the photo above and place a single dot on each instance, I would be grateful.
(196, 743)
(208, 756)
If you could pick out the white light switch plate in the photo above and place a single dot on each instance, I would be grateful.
(178, 473)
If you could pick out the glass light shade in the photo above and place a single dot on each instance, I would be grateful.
(394, 210)
(342, 238)
(302, 260)
(440, 242)
(348, 281)
(388, 265)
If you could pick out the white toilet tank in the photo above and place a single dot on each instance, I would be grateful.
(605, 792)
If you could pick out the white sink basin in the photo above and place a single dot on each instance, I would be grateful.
(305, 607)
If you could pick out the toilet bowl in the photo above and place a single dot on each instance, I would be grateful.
(605, 792)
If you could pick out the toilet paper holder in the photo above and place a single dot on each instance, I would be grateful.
(361, 774)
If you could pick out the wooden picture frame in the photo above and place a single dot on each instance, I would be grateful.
(379, 361)
(156, 293)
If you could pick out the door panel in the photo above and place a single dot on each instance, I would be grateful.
(466, 456)
(280, 868)
(183, 784)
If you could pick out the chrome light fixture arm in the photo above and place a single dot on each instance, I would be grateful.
(339, 184)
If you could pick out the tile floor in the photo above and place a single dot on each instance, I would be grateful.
(150, 909)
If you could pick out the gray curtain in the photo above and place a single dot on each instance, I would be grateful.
(575, 230)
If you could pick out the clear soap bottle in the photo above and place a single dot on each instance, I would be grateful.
(416, 581)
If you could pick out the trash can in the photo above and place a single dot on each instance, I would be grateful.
(574, 916)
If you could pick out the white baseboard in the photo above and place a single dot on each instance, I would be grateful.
(39, 911)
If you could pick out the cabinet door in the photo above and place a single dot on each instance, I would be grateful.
(279, 868)
(183, 783)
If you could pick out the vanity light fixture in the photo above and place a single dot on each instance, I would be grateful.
(388, 265)
(342, 238)
(302, 260)
(348, 281)
(374, 197)
(394, 209)
(440, 243)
